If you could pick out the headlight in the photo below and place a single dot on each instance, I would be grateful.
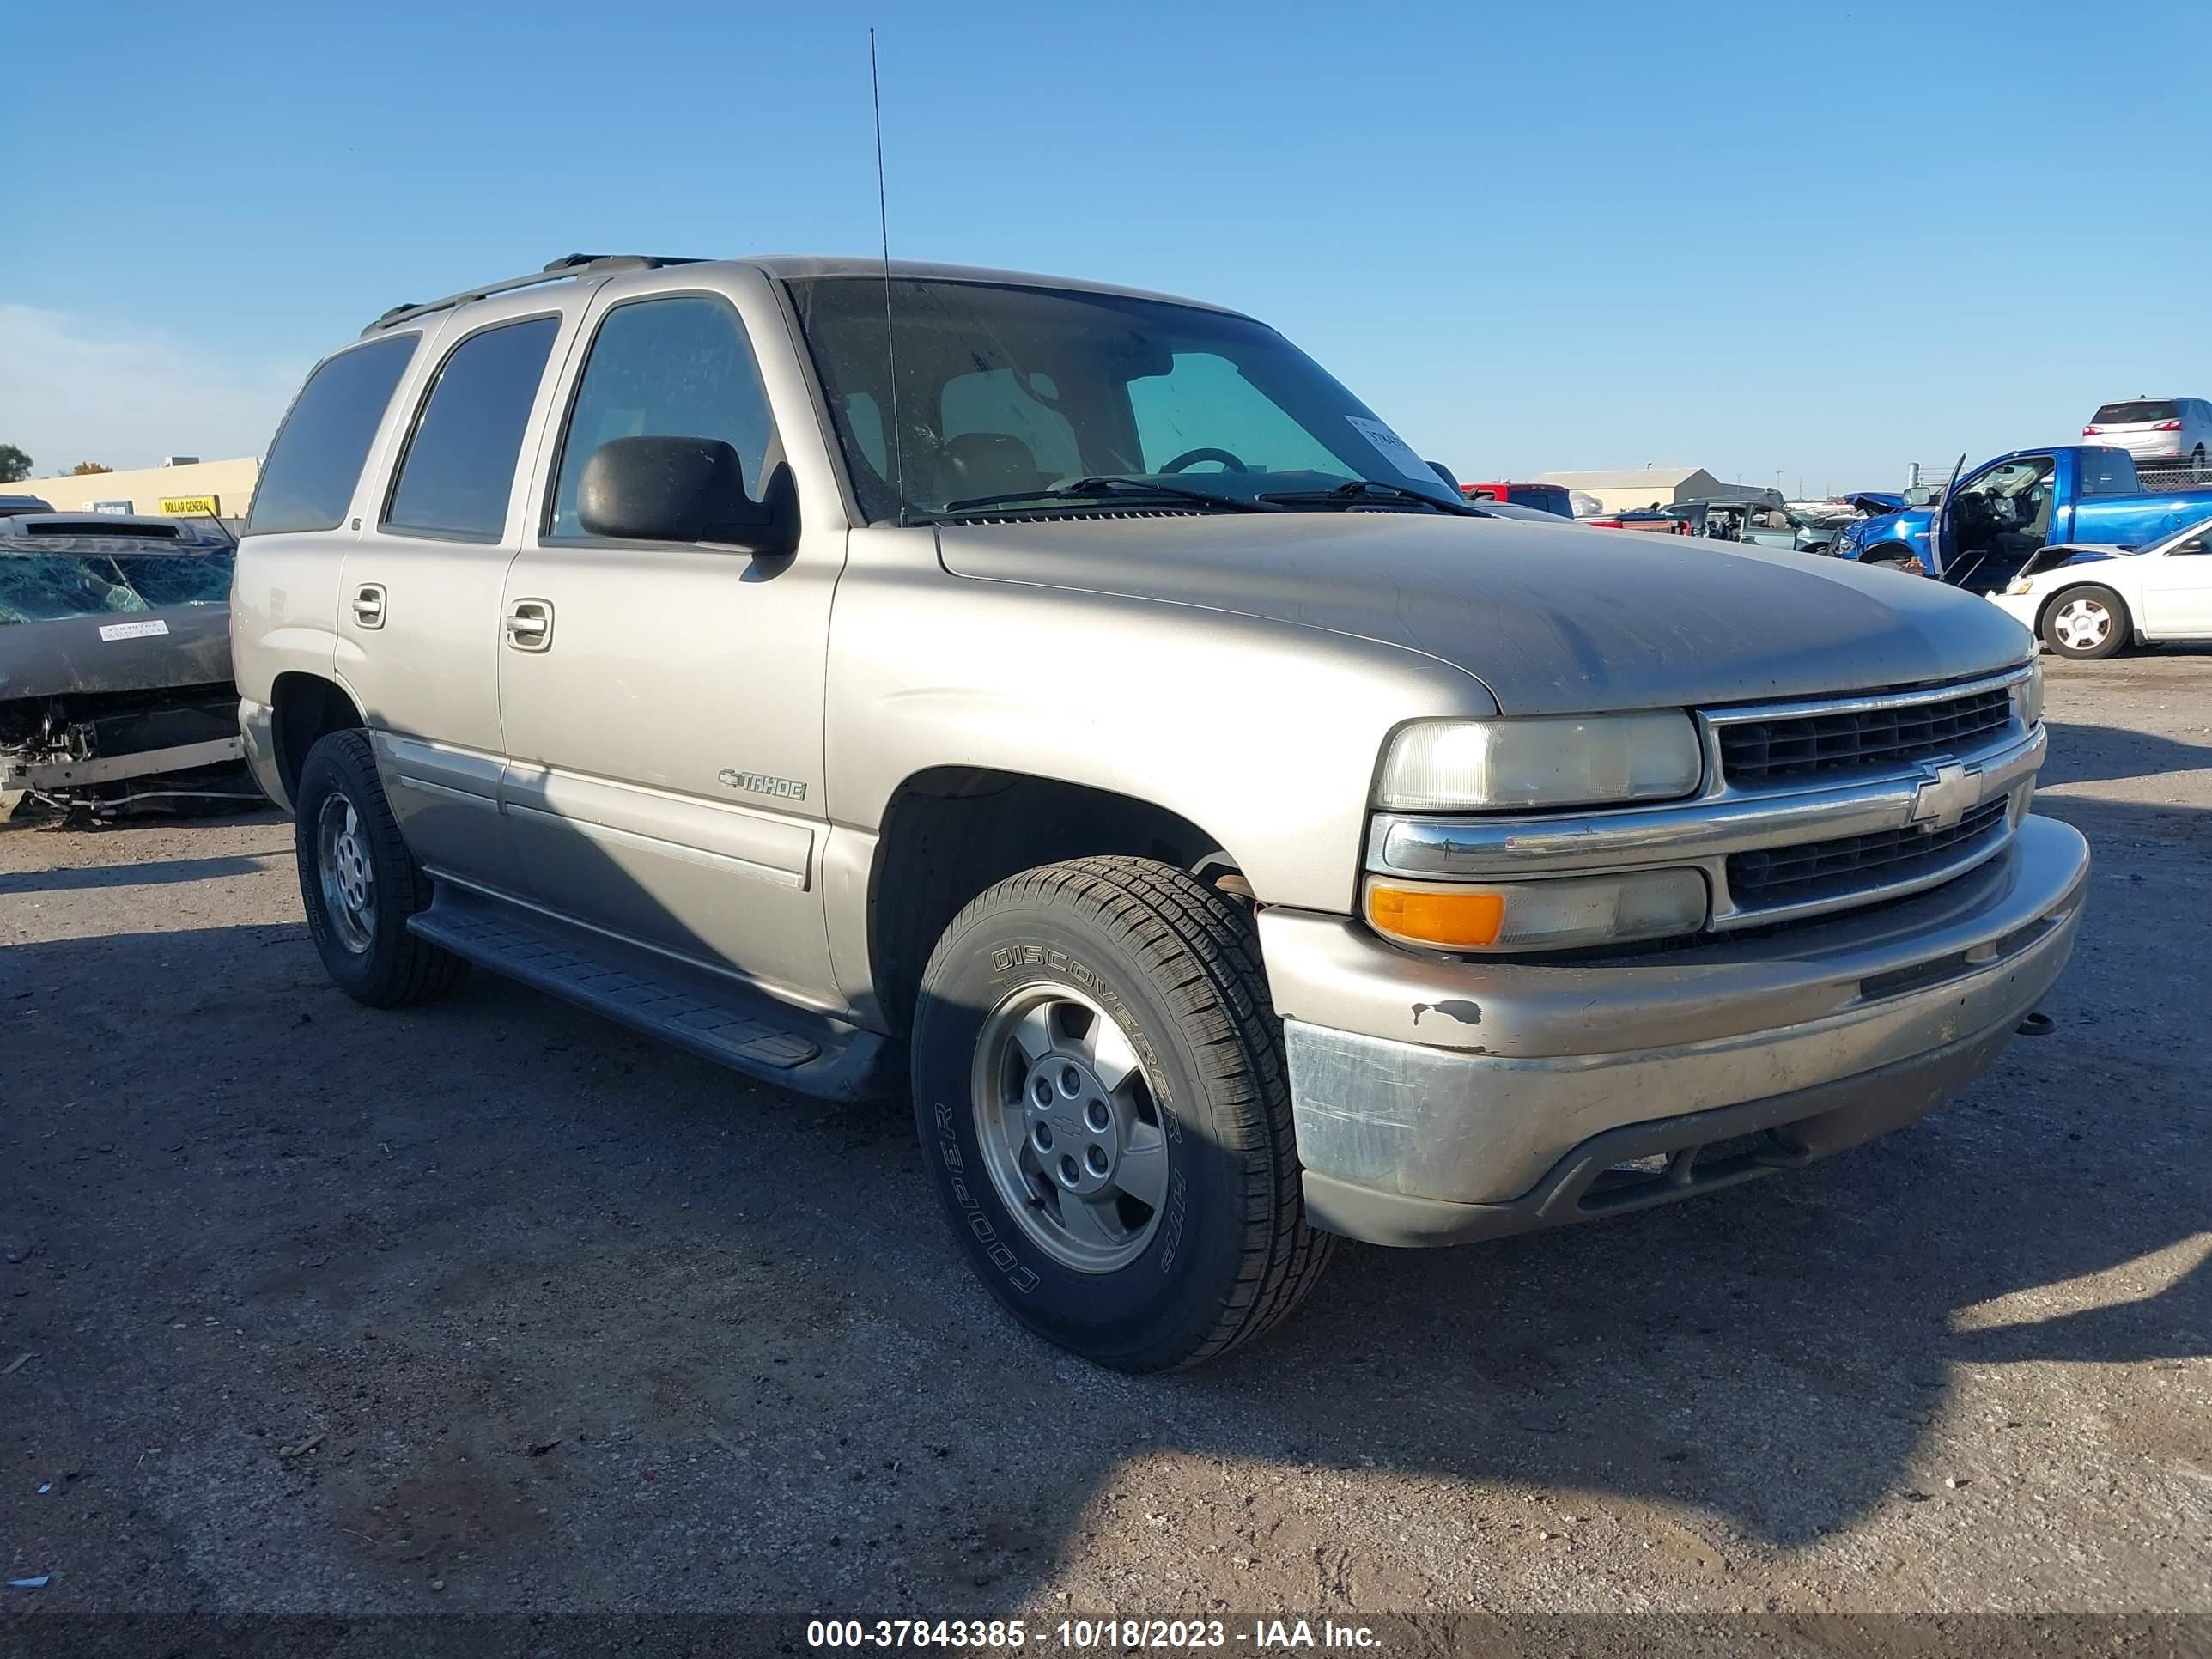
(1575, 760)
(1548, 914)
(2020, 587)
(2027, 695)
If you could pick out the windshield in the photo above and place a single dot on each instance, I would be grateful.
(1009, 391)
(49, 586)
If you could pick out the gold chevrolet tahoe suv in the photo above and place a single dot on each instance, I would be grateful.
(1075, 707)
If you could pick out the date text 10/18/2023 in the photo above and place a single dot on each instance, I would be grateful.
(1090, 1634)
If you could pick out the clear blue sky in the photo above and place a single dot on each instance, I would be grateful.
(1820, 239)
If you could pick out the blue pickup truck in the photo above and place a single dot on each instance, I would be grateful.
(1991, 520)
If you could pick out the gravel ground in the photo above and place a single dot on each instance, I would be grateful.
(492, 1305)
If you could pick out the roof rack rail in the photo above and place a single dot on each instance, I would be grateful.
(573, 264)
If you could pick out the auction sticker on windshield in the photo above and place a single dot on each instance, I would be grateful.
(138, 630)
(1400, 453)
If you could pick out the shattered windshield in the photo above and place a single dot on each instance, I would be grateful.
(49, 586)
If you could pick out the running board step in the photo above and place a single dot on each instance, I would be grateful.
(711, 1015)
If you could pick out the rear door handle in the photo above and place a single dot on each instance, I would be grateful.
(530, 625)
(368, 604)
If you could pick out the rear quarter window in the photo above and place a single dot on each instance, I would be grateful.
(316, 461)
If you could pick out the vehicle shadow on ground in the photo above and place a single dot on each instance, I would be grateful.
(160, 872)
(2105, 754)
(565, 1308)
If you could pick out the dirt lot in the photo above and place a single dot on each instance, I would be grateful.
(492, 1305)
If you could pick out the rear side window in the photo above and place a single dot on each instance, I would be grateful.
(458, 470)
(2109, 472)
(674, 367)
(2131, 414)
(317, 459)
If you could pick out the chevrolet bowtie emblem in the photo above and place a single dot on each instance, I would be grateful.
(1946, 795)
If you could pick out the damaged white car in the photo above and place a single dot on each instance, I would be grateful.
(115, 684)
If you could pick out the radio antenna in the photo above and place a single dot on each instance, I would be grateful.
(891, 343)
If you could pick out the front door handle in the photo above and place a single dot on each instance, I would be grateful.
(368, 604)
(530, 625)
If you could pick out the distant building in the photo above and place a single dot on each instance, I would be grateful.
(189, 490)
(1617, 492)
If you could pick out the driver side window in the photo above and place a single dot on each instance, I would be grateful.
(674, 367)
(2012, 492)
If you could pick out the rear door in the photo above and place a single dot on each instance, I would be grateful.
(663, 703)
(419, 603)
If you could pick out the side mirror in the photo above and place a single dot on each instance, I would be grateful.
(1445, 473)
(1920, 495)
(674, 490)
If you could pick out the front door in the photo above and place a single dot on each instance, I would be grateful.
(1996, 518)
(2177, 590)
(662, 704)
(418, 612)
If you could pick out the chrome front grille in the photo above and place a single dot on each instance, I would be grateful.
(1774, 877)
(1786, 749)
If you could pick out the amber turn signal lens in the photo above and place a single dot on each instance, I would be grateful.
(1457, 922)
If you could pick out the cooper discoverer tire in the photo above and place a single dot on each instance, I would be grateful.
(360, 883)
(2087, 624)
(1094, 1044)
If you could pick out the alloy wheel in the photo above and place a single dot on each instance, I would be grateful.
(348, 878)
(1068, 1127)
(2082, 624)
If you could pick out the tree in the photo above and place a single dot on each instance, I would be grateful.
(86, 469)
(14, 464)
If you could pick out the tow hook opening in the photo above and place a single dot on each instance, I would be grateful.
(2037, 1024)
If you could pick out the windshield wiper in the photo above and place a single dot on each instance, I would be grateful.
(1360, 491)
(1111, 486)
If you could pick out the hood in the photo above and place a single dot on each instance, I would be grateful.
(1552, 620)
(1875, 504)
(2068, 555)
(163, 649)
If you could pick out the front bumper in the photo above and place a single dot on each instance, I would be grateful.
(1438, 1099)
(2020, 607)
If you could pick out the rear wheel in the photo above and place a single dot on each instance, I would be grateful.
(360, 883)
(1099, 1085)
(2086, 623)
(2197, 464)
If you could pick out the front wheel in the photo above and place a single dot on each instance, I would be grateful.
(1100, 1090)
(360, 883)
(1900, 562)
(2086, 624)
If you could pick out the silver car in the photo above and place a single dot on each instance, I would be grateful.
(1074, 708)
(2174, 431)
